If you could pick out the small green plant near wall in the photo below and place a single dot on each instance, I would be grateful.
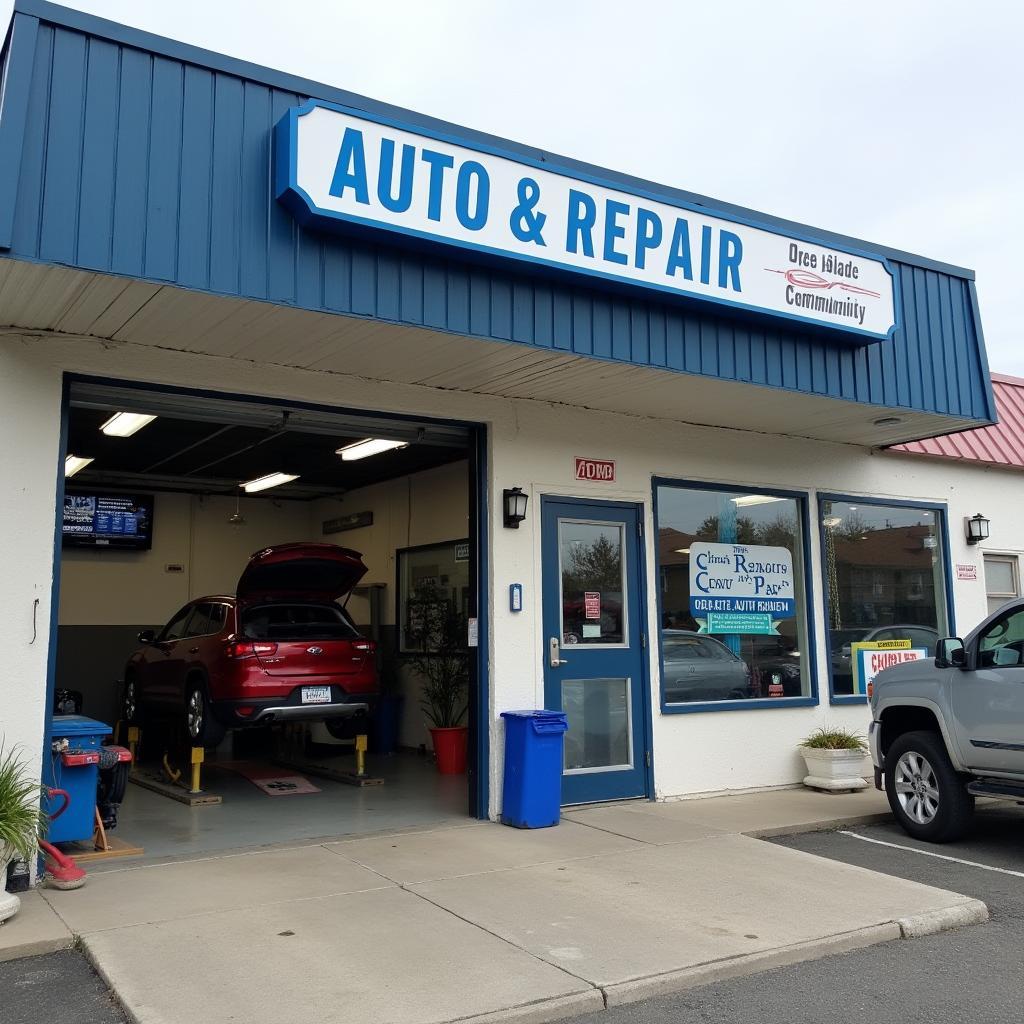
(22, 819)
(834, 739)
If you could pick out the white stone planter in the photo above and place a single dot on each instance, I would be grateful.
(834, 769)
(9, 903)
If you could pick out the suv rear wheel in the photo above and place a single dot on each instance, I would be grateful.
(927, 796)
(200, 726)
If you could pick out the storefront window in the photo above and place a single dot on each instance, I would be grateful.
(733, 601)
(884, 583)
(429, 577)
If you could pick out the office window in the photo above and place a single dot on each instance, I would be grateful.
(1002, 580)
(733, 602)
(884, 580)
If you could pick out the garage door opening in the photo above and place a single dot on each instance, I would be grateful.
(260, 585)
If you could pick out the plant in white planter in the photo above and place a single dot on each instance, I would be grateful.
(834, 759)
(22, 820)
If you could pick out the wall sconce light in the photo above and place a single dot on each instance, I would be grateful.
(977, 529)
(514, 503)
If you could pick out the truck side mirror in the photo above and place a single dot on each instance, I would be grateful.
(950, 653)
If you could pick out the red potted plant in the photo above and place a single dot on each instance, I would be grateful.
(438, 632)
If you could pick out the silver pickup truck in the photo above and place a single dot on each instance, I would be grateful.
(948, 730)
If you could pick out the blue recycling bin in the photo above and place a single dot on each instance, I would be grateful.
(533, 768)
(75, 770)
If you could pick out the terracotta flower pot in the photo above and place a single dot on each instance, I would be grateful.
(450, 749)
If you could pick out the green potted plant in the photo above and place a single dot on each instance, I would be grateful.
(437, 633)
(834, 759)
(22, 821)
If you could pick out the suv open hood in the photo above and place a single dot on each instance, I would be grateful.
(315, 572)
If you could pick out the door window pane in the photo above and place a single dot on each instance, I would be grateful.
(884, 580)
(591, 565)
(734, 610)
(1002, 643)
(433, 589)
(175, 629)
(599, 724)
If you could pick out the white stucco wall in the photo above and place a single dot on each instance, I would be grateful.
(531, 445)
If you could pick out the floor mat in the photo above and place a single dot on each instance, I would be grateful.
(273, 781)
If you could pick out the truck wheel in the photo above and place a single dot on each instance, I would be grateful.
(200, 726)
(927, 796)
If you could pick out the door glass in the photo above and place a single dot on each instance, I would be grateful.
(175, 629)
(1002, 644)
(599, 724)
(591, 565)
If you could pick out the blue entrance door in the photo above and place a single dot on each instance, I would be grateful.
(594, 645)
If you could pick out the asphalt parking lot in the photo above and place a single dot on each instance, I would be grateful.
(972, 976)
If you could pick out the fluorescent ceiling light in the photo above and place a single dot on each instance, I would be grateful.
(73, 463)
(755, 499)
(124, 424)
(682, 551)
(262, 483)
(371, 446)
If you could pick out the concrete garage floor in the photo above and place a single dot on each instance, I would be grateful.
(413, 795)
(484, 923)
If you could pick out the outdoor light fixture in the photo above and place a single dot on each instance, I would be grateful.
(371, 446)
(977, 529)
(124, 424)
(887, 421)
(262, 483)
(755, 499)
(514, 502)
(73, 463)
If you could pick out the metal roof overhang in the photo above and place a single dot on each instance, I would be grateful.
(37, 297)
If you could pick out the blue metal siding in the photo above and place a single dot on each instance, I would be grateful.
(148, 165)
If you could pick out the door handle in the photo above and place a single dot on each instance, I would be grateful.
(553, 654)
(193, 650)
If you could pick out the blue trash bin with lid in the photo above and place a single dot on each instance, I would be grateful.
(75, 769)
(532, 796)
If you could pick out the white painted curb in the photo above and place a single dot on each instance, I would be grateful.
(943, 920)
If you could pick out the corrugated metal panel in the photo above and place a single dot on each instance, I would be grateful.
(999, 445)
(140, 164)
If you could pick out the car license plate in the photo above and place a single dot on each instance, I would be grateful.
(316, 695)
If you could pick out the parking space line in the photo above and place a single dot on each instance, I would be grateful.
(928, 853)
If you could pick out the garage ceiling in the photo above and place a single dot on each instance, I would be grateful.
(210, 446)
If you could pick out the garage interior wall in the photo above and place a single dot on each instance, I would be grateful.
(424, 508)
(108, 596)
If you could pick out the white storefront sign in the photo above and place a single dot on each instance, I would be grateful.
(740, 588)
(338, 166)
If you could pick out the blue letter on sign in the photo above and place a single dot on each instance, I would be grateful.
(613, 230)
(439, 163)
(679, 251)
(730, 252)
(467, 172)
(401, 202)
(648, 234)
(350, 171)
(580, 222)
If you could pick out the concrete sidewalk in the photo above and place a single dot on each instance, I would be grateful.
(485, 923)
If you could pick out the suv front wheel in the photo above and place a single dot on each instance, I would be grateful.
(927, 796)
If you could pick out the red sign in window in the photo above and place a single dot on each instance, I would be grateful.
(595, 469)
(592, 604)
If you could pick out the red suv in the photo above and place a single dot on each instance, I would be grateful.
(282, 649)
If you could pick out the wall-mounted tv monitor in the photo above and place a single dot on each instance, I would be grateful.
(122, 522)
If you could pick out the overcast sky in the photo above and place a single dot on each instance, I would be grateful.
(897, 121)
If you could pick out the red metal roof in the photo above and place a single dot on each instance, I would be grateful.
(998, 445)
